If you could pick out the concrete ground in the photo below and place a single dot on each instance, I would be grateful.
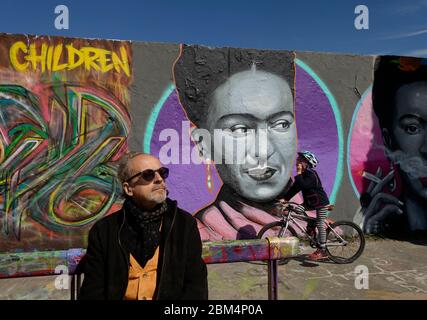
(397, 270)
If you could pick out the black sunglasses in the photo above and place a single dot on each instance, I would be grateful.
(149, 174)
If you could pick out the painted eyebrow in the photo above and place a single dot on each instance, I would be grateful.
(411, 116)
(251, 117)
(281, 114)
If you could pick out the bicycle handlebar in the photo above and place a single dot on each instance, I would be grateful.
(296, 207)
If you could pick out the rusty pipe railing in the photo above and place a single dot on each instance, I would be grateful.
(43, 263)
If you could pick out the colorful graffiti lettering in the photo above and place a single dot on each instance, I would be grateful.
(64, 124)
(57, 152)
(51, 58)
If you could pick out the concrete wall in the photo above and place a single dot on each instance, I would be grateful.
(68, 113)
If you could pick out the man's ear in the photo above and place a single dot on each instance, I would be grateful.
(202, 140)
(127, 189)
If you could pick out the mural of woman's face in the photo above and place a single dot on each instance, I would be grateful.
(255, 112)
(409, 136)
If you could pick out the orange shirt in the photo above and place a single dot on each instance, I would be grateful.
(142, 281)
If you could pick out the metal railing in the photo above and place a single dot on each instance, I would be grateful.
(43, 263)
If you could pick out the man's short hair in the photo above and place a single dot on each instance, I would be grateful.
(123, 171)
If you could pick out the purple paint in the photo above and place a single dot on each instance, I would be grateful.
(186, 182)
(316, 126)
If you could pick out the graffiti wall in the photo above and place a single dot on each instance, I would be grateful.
(64, 122)
(227, 122)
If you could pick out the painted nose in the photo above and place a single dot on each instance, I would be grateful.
(263, 145)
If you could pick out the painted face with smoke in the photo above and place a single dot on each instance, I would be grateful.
(407, 138)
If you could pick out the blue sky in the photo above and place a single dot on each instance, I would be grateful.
(395, 27)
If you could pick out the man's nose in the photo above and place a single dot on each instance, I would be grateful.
(157, 178)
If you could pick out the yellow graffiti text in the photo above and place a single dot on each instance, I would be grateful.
(56, 58)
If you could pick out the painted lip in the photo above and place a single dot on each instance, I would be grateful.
(261, 173)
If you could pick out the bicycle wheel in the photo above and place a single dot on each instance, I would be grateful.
(276, 229)
(344, 242)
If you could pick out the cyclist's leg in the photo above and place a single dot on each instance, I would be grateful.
(320, 253)
(322, 213)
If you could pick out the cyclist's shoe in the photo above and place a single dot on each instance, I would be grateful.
(319, 254)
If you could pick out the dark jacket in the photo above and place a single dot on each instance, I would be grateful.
(312, 191)
(181, 273)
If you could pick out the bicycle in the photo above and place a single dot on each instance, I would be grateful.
(341, 234)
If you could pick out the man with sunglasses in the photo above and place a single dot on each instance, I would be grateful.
(150, 249)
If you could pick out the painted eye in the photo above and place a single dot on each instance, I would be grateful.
(281, 125)
(412, 129)
(239, 129)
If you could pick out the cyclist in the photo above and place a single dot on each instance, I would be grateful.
(315, 198)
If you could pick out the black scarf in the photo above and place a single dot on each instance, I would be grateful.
(146, 224)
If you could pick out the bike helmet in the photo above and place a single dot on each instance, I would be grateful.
(310, 157)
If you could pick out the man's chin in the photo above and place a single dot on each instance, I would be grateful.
(159, 198)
